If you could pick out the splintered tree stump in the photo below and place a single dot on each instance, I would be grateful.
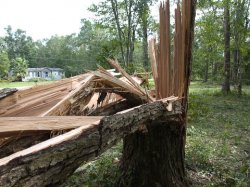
(154, 157)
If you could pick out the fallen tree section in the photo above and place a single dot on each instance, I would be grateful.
(6, 92)
(52, 161)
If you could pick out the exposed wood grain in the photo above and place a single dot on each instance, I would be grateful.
(21, 126)
(116, 65)
(64, 106)
(36, 100)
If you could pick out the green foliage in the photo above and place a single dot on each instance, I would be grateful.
(19, 68)
(209, 40)
(18, 44)
(4, 65)
(121, 18)
(97, 43)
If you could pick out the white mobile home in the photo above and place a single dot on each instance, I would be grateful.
(45, 73)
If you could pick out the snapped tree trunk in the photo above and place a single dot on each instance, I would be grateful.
(154, 156)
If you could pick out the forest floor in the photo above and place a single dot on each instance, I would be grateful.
(218, 137)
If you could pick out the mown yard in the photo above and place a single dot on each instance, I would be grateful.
(217, 149)
(7, 84)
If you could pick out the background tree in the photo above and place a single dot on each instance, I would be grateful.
(144, 20)
(240, 33)
(226, 83)
(96, 44)
(130, 22)
(208, 44)
(212, 41)
(18, 44)
(4, 65)
(19, 68)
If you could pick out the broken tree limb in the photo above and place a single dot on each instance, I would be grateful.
(6, 92)
(52, 161)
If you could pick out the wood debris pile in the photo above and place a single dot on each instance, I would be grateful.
(36, 123)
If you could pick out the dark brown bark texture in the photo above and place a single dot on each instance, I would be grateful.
(15, 144)
(154, 157)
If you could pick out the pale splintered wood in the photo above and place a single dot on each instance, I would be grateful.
(153, 60)
(21, 126)
(63, 107)
(173, 78)
(38, 99)
(117, 66)
(164, 65)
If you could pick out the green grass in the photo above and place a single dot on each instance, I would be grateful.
(218, 137)
(217, 148)
(5, 84)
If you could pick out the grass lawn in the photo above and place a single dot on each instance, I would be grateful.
(5, 84)
(217, 149)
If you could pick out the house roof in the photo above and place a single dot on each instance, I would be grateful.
(44, 69)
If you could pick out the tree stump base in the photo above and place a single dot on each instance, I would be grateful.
(154, 157)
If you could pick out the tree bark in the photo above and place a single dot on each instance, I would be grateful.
(155, 157)
(6, 92)
(114, 5)
(226, 83)
(145, 44)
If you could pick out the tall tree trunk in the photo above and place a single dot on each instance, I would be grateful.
(206, 72)
(144, 15)
(114, 5)
(226, 83)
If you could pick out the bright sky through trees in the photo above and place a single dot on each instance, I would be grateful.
(44, 18)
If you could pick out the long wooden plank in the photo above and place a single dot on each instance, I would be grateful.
(11, 126)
